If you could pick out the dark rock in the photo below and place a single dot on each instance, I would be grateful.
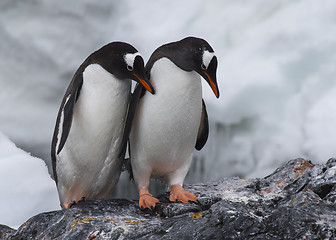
(297, 201)
(5, 231)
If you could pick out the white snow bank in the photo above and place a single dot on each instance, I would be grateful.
(25, 185)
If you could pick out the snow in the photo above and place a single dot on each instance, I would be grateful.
(276, 72)
(26, 186)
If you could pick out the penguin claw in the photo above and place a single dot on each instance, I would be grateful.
(197, 202)
(178, 194)
(68, 205)
(146, 200)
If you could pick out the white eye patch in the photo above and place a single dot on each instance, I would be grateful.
(207, 56)
(129, 58)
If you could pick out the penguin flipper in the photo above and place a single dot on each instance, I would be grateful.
(65, 113)
(130, 116)
(203, 130)
(69, 100)
(64, 117)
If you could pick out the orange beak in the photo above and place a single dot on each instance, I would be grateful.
(213, 86)
(145, 84)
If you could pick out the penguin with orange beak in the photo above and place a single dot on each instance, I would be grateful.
(168, 126)
(87, 146)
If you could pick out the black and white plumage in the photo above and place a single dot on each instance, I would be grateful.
(176, 112)
(88, 144)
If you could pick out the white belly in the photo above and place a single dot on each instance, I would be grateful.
(166, 124)
(88, 164)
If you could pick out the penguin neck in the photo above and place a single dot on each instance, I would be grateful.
(103, 97)
(97, 79)
(168, 77)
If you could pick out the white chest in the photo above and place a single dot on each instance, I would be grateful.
(98, 118)
(167, 123)
(178, 99)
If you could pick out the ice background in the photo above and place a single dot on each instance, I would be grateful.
(276, 74)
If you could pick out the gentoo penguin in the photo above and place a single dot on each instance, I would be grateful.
(177, 113)
(87, 150)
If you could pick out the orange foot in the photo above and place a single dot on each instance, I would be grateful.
(146, 200)
(68, 205)
(178, 194)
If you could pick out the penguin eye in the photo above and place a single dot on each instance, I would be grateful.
(203, 66)
(129, 68)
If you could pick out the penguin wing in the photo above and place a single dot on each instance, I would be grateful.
(138, 92)
(203, 130)
(64, 118)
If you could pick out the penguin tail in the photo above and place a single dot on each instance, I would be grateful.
(128, 167)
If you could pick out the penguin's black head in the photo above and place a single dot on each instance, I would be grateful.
(200, 57)
(190, 54)
(123, 61)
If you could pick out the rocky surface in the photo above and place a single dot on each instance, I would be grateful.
(297, 201)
